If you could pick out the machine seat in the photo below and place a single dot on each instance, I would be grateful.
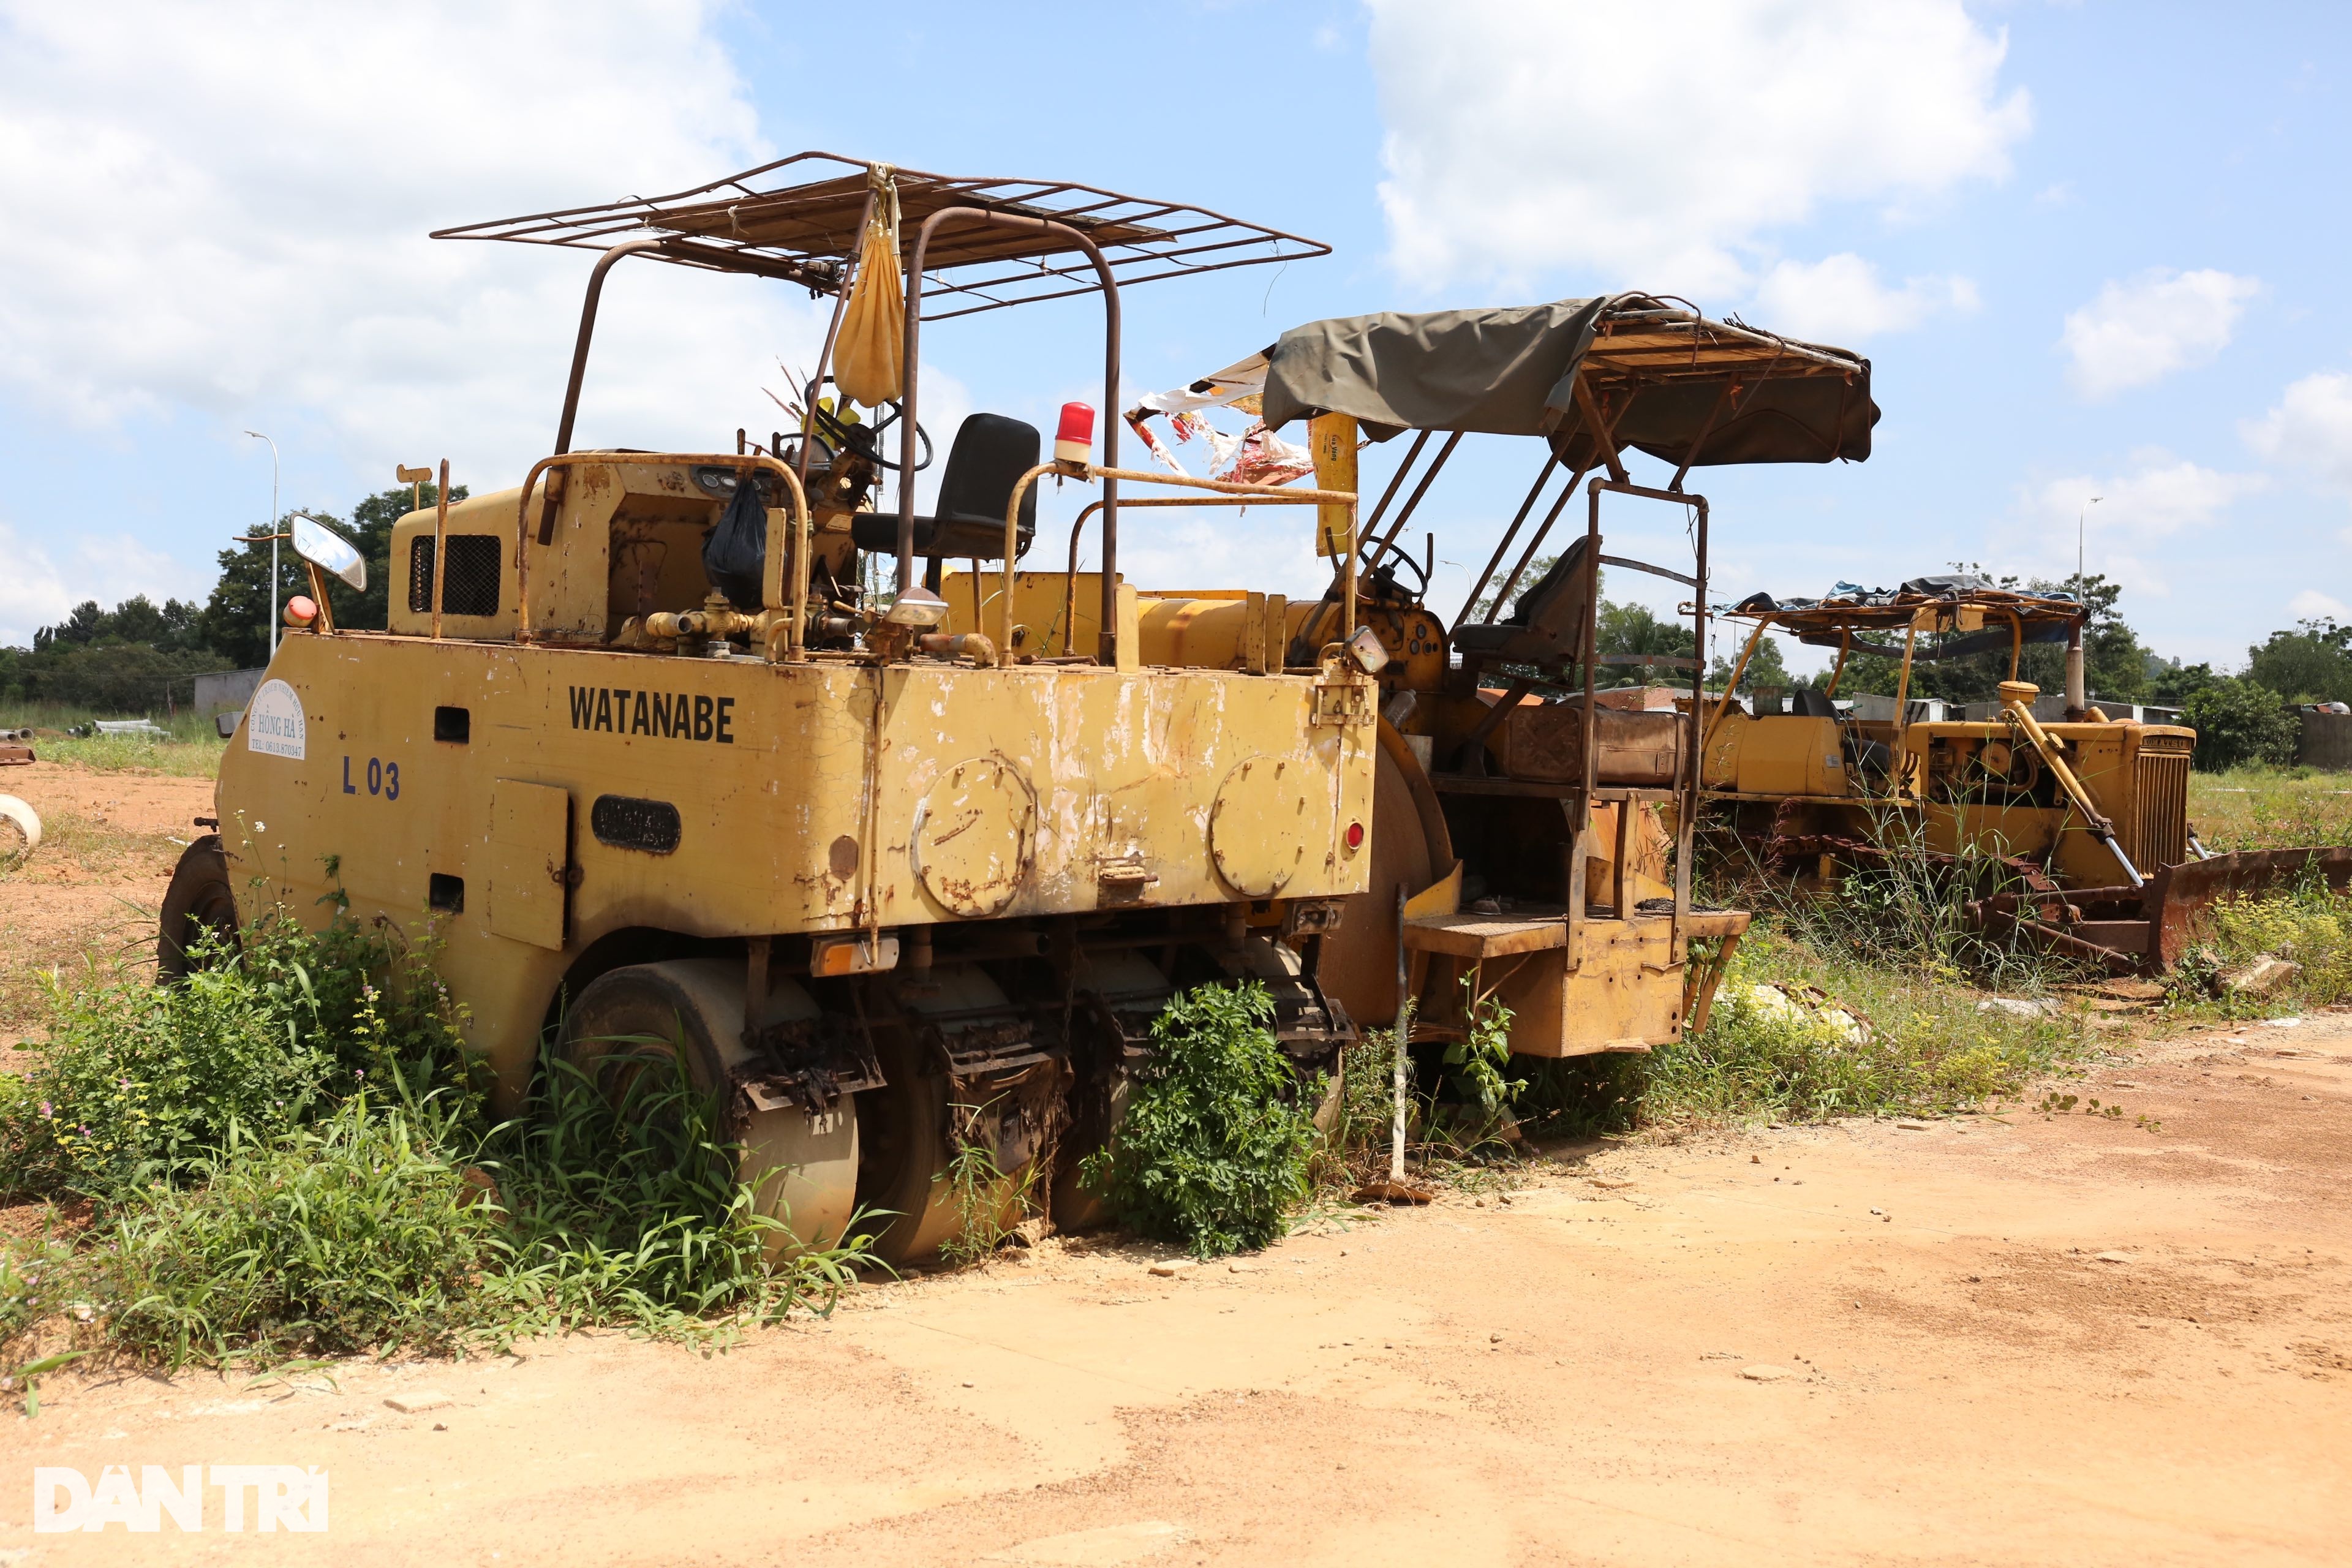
(990, 453)
(1546, 626)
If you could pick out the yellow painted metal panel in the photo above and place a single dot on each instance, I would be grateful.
(531, 861)
(1331, 438)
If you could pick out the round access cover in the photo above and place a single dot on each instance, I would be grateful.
(1269, 819)
(975, 835)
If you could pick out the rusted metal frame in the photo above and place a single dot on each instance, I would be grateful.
(1581, 823)
(2016, 642)
(1731, 687)
(1631, 564)
(1412, 501)
(1396, 481)
(1133, 254)
(1686, 765)
(980, 187)
(1072, 293)
(1690, 453)
(1551, 460)
(1769, 340)
(1535, 543)
(716, 256)
(1699, 982)
(1110, 403)
(1687, 829)
(1903, 682)
(1605, 431)
(1982, 912)
(1244, 494)
(1837, 670)
(1471, 758)
(440, 548)
(1012, 545)
(1724, 400)
(831, 335)
(743, 464)
(1070, 609)
(580, 369)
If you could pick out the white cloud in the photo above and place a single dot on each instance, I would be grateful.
(220, 212)
(1659, 144)
(35, 591)
(2158, 498)
(1840, 298)
(2311, 426)
(2141, 330)
(2311, 605)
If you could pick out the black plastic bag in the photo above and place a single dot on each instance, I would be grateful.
(734, 554)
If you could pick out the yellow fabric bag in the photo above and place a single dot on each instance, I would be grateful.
(868, 362)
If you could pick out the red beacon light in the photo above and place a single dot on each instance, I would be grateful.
(1074, 441)
(301, 612)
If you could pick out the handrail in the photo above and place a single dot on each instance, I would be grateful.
(1273, 494)
(772, 563)
(911, 369)
(1070, 602)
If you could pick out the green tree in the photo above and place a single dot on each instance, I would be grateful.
(119, 679)
(2239, 722)
(1765, 667)
(2312, 663)
(236, 618)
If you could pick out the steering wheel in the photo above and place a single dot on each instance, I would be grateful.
(1385, 569)
(865, 438)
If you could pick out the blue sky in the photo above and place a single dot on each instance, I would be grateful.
(2091, 249)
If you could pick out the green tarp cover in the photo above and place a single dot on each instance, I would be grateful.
(1511, 372)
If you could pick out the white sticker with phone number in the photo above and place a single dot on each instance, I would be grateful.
(273, 722)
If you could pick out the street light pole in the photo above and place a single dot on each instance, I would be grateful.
(2079, 517)
(269, 599)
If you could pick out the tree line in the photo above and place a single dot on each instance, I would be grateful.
(141, 657)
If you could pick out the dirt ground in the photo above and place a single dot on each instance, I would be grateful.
(1978, 1340)
(109, 842)
(1996, 1341)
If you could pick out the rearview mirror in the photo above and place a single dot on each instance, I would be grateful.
(324, 547)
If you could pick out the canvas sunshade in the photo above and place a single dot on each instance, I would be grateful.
(1665, 381)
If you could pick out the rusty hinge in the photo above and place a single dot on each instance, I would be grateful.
(1343, 703)
(1124, 879)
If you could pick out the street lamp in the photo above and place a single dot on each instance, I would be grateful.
(269, 600)
(2079, 517)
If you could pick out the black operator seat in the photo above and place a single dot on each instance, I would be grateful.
(1812, 702)
(1546, 625)
(990, 453)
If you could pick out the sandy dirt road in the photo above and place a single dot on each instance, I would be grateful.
(2037, 1341)
(109, 843)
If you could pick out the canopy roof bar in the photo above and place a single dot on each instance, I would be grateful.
(798, 219)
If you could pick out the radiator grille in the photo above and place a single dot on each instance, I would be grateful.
(2159, 828)
(474, 563)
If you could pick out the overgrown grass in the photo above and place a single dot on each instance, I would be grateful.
(136, 1084)
(2270, 808)
(190, 746)
(291, 1154)
(1798, 1035)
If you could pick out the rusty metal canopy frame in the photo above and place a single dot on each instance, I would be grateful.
(798, 218)
(1832, 622)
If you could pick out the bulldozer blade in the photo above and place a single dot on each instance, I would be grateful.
(2179, 895)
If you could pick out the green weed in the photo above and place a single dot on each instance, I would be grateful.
(1215, 1148)
(1855, 1040)
(358, 1234)
(137, 1083)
